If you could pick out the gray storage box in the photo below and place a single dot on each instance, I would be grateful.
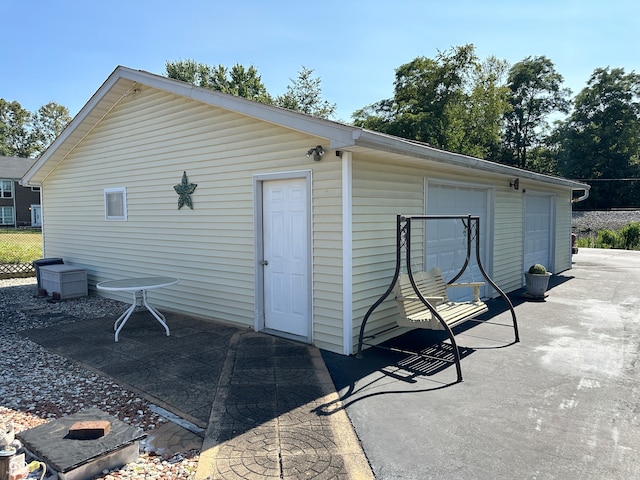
(66, 280)
(37, 264)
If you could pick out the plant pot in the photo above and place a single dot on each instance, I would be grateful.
(536, 283)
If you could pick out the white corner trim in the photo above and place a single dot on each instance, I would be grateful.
(347, 253)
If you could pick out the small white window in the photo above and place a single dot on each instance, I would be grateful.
(115, 203)
(6, 188)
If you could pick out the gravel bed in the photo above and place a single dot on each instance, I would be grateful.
(37, 386)
(592, 221)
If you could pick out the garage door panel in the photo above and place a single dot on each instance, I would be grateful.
(447, 231)
(538, 230)
(446, 239)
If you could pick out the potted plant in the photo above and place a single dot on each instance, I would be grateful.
(537, 280)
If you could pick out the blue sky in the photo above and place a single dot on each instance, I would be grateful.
(62, 51)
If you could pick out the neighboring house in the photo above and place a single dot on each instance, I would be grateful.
(19, 206)
(279, 239)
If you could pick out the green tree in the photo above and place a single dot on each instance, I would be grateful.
(426, 92)
(304, 94)
(46, 124)
(15, 122)
(475, 127)
(238, 80)
(601, 138)
(25, 134)
(543, 159)
(535, 93)
(453, 102)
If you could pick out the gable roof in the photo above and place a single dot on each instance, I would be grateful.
(15, 167)
(124, 80)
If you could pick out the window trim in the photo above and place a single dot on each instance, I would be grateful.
(123, 194)
(12, 215)
(11, 188)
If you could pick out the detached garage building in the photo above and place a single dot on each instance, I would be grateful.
(292, 229)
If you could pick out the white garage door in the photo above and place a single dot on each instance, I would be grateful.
(446, 239)
(538, 230)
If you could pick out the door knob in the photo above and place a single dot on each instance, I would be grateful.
(264, 262)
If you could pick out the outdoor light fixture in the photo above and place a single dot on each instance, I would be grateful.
(317, 152)
(515, 184)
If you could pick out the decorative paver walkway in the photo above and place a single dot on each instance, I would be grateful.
(266, 420)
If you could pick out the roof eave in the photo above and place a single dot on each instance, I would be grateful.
(105, 98)
(339, 136)
(401, 146)
(124, 79)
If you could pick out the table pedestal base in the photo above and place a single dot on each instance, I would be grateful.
(139, 295)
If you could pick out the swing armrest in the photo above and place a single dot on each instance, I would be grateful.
(431, 300)
(476, 288)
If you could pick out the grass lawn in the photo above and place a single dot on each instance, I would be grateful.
(20, 246)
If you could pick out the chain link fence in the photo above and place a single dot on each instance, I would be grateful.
(18, 249)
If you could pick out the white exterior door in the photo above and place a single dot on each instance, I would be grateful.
(36, 216)
(446, 239)
(286, 253)
(538, 230)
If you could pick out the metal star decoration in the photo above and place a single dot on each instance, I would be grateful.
(184, 191)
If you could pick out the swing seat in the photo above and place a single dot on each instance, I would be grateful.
(415, 314)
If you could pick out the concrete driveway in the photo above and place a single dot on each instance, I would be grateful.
(561, 404)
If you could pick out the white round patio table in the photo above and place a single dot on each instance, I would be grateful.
(138, 286)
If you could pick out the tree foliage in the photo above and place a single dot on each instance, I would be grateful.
(535, 93)
(304, 94)
(425, 92)
(14, 130)
(25, 134)
(47, 123)
(238, 80)
(601, 138)
(478, 131)
(454, 102)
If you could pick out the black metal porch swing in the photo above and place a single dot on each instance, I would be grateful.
(422, 298)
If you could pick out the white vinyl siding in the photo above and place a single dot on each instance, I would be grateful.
(327, 248)
(508, 238)
(144, 144)
(381, 190)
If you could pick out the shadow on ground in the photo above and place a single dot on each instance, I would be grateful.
(417, 354)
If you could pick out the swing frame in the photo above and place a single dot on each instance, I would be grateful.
(403, 240)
